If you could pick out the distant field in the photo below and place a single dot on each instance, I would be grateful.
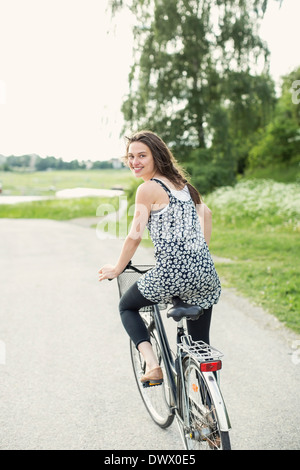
(58, 209)
(44, 183)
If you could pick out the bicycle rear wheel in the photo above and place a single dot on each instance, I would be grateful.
(156, 398)
(203, 431)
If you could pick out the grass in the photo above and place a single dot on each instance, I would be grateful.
(57, 209)
(264, 268)
(256, 225)
(47, 182)
(44, 183)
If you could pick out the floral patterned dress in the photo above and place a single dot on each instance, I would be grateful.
(184, 267)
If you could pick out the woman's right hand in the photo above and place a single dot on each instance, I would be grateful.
(108, 271)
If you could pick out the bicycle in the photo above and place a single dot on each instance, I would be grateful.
(191, 387)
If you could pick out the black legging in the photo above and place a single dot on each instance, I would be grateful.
(133, 300)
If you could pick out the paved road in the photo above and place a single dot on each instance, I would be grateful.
(66, 380)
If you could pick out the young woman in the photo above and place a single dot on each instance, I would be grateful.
(180, 228)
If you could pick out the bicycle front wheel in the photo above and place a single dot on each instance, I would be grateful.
(157, 399)
(198, 410)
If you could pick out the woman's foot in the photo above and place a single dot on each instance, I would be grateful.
(152, 377)
(153, 374)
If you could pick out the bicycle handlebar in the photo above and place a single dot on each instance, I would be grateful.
(134, 268)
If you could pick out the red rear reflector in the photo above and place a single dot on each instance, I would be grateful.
(210, 366)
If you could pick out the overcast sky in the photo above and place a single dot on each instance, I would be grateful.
(64, 69)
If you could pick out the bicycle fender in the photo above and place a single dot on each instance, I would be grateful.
(217, 397)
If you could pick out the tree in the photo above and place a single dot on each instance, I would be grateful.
(189, 56)
(279, 141)
(200, 76)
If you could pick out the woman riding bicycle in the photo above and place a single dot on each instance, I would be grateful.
(179, 224)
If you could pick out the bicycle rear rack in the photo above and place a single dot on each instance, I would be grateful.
(199, 350)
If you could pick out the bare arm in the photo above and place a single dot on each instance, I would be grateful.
(141, 215)
(110, 271)
(205, 216)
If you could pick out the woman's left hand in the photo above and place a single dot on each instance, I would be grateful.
(108, 271)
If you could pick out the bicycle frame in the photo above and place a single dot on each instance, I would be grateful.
(170, 366)
(166, 353)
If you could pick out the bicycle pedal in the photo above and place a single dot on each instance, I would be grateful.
(152, 384)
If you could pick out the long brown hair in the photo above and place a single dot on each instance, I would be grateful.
(164, 160)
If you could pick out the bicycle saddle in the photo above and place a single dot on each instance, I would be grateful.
(181, 310)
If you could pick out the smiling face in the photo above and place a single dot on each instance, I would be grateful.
(141, 161)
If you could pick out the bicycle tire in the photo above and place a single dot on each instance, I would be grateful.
(203, 432)
(156, 398)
